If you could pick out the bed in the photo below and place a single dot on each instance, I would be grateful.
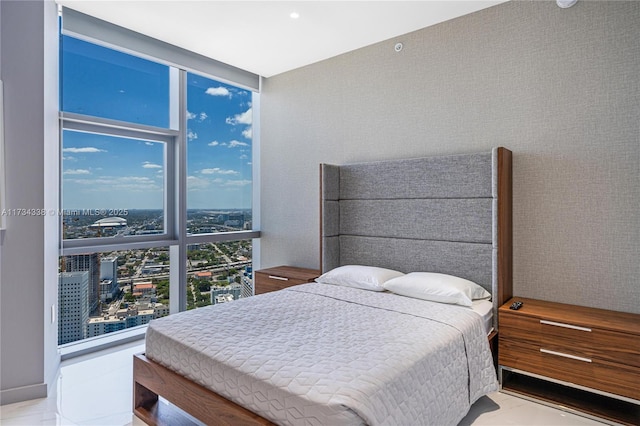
(339, 351)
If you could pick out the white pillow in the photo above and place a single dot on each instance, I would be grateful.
(437, 288)
(359, 276)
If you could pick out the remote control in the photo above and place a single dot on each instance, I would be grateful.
(516, 305)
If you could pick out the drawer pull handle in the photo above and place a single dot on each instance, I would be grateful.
(275, 277)
(560, 324)
(579, 358)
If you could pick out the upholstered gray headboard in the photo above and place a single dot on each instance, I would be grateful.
(447, 214)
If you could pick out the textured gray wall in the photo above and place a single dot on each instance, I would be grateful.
(559, 87)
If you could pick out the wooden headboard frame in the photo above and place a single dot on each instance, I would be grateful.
(504, 227)
(449, 214)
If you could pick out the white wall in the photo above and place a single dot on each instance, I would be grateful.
(559, 87)
(29, 247)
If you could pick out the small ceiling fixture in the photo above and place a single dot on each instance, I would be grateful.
(566, 3)
(294, 15)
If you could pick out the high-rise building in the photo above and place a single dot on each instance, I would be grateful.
(108, 278)
(90, 263)
(109, 268)
(73, 302)
(246, 280)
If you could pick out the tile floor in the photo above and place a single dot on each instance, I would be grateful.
(96, 390)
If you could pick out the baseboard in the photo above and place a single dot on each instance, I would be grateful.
(23, 393)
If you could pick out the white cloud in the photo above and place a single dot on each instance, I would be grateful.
(137, 183)
(218, 171)
(242, 118)
(248, 132)
(235, 143)
(195, 183)
(120, 183)
(200, 117)
(139, 179)
(218, 91)
(149, 143)
(244, 182)
(88, 149)
(213, 143)
(76, 172)
(148, 165)
(191, 135)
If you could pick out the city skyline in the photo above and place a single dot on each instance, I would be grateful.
(107, 172)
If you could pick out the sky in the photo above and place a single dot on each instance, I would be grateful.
(107, 172)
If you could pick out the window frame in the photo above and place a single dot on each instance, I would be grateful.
(175, 180)
(108, 127)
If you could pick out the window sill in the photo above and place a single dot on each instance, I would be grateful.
(94, 344)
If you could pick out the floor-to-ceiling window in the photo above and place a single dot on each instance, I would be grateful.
(157, 189)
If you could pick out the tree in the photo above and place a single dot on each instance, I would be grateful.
(203, 285)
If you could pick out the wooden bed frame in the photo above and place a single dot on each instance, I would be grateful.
(151, 380)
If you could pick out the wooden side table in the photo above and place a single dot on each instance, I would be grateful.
(279, 277)
(582, 359)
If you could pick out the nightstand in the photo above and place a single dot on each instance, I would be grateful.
(279, 277)
(580, 359)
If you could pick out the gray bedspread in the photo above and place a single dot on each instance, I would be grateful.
(318, 354)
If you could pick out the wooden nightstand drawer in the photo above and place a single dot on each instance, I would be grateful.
(616, 347)
(279, 277)
(519, 355)
(565, 366)
(520, 328)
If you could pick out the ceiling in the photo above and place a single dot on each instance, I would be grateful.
(262, 37)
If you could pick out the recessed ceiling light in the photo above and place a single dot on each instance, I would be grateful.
(294, 15)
